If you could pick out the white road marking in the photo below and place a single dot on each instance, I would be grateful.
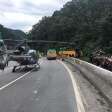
(79, 101)
(5, 86)
(11, 67)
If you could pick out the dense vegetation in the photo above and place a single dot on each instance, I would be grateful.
(11, 34)
(6, 33)
(88, 23)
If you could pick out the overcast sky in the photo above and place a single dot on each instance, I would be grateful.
(22, 14)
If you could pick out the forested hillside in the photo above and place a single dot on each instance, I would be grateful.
(11, 34)
(88, 23)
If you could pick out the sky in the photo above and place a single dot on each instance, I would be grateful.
(22, 14)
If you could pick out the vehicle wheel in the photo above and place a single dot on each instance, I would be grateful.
(37, 67)
(14, 69)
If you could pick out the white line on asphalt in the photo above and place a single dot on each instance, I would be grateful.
(79, 101)
(3, 87)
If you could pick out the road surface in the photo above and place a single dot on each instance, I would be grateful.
(48, 90)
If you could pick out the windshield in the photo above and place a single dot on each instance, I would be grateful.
(55, 55)
(51, 51)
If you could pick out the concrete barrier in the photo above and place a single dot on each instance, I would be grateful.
(99, 77)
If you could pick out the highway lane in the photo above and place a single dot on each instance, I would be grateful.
(48, 90)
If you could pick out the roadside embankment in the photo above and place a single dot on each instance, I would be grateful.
(99, 77)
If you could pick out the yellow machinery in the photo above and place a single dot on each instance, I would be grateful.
(67, 53)
(63, 53)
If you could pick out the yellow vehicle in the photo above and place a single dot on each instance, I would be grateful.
(67, 53)
(51, 54)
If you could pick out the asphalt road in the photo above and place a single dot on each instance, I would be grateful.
(48, 90)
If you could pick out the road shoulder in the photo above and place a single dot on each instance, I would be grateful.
(93, 101)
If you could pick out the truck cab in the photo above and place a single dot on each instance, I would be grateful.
(51, 54)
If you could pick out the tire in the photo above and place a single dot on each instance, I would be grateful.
(36, 68)
(14, 69)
